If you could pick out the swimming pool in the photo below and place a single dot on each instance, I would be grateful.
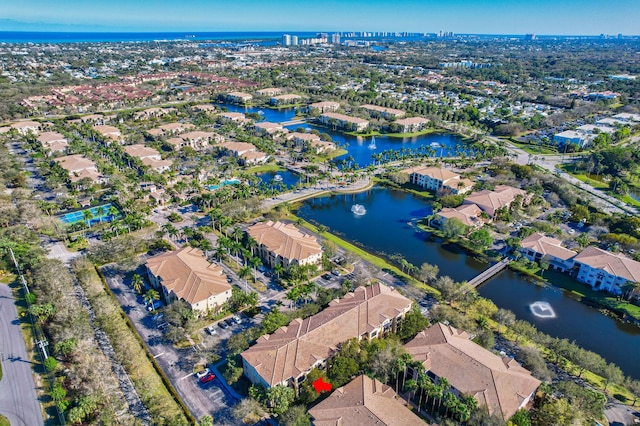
(98, 214)
(233, 181)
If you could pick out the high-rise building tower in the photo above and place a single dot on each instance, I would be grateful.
(335, 38)
(286, 40)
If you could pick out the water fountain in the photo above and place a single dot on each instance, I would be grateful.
(435, 145)
(358, 209)
(277, 178)
(372, 145)
(542, 310)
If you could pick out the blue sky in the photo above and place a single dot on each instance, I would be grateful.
(460, 16)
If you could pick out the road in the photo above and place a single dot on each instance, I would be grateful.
(18, 398)
(550, 163)
(214, 398)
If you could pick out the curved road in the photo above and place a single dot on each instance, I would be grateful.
(18, 398)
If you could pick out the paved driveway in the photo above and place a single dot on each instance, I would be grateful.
(18, 399)
(212, 398)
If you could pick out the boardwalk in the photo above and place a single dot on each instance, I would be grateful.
(489, 273)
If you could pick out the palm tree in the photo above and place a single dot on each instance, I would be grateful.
(137, 283)
(237, 233)
(449, 402)
(399, 366)
(423, 383)
(100, 213)
(151, 296)
(278, 270)
(251, 244)
(255, 262)
(410, 386)
(87, 215)
(443, 384)
(244, 273)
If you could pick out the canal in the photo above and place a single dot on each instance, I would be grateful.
(388, 226)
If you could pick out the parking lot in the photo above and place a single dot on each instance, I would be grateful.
(211, 398)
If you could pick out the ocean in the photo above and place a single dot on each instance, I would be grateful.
(109, 37)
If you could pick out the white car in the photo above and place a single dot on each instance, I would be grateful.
(237, 319)
(211, 330)
(203, 373)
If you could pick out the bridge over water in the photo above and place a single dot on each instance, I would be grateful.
(489, 273)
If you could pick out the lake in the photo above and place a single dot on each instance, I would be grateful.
(388, 227)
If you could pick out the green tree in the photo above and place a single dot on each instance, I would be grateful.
(279, 398)
(137, 283)
(342, 370)
(413, 323)
(206, 420)
(481, 238)
(151, 296)
(244, 273)
(453, 228)
(50, 363)
(296, 415)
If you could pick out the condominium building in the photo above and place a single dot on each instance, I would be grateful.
(284, 244)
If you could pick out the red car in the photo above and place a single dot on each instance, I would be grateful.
(206, 379)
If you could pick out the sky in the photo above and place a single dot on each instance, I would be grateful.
(555, 17)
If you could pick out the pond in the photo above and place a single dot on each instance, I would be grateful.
(268, 114)
(358, 147)
(388, 227)
(285, 179)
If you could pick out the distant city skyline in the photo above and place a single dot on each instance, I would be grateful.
(552, 17)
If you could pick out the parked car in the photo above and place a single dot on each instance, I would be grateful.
(158, 316)
(211, 330)
(326, 276)
(336, 272)
(223, 324)
(202, 373)
(163, 326)
(206, 379)
(229, 322)
(236, 319)
(154, 306)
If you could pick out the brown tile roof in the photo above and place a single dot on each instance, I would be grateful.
(501, 384)
(296, 348)
(188, 274)
(141, 151)
(303, 136)
(547, 245)
(346, 118)
(285, 240)
(439, 173)
(466, 213)
(238, 147)
(74, 163)
(107, 130)
(490, 201)
(48, 137)
(363, 401)
(412, 120)
(325, 104)
(385, 110)
(614, 264)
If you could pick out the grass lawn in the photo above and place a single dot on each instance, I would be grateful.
(627, 199)
(364, 135)
(570, 168)
(583, 291)
(408, 187)
(534, 149)
(265, 168)
(336, 153)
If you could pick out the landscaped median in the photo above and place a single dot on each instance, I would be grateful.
(153, 387)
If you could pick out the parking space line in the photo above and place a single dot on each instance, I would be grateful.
(160, 354)
(188, 375)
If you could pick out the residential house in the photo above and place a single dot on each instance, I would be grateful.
(538, 246)
(170, 129)
(604, 270)
(186, 275)
(325, 106)
(234, 117)
(364, 401)
(197, 140)
(287, 99)
(490, 201)
(498, 383)
(468, 214)
(311, 141)
(409, 124)
(267, 128)
(239, 97)
(290, 353)
(344, 122)
(153, 113)
(269, 91)
(284, 244)
(109, 133)
(206, 108)
(254, 157)
(627, 117)
(53, 142)
(438, 179)
(80, 167)
(25, 127)
(376, 111)
(149, 157)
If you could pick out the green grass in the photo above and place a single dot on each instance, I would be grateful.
(407, 187)
(364, 135)
(534, 149)
(570, 168)
(627, 199)
(285, 106)
(336, 153)
(265, 168)
(4, 421)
